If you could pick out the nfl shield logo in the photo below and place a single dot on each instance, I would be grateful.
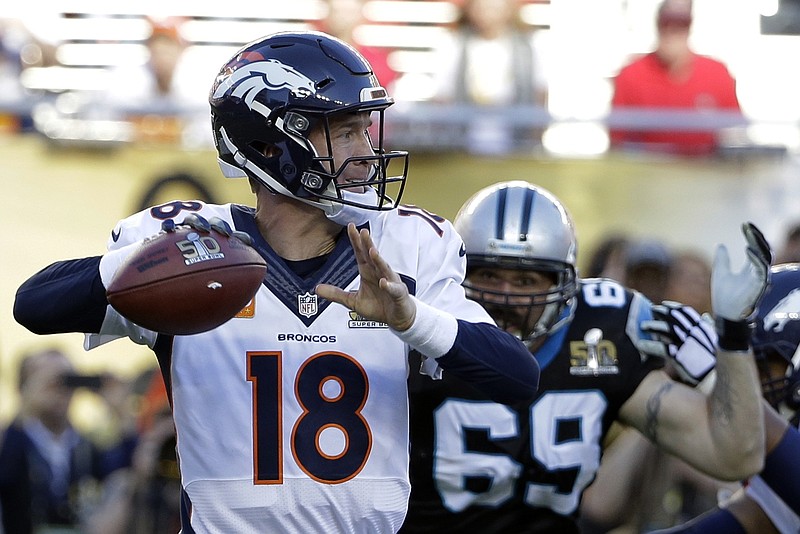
(307, 304)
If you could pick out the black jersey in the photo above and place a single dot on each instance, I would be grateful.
(479, 466)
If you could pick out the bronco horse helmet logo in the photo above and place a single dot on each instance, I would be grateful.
(783, 312)
(246, 77)
(250, 79)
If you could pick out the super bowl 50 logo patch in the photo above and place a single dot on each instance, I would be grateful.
(196, 248)
(593, 359)
(357, 321)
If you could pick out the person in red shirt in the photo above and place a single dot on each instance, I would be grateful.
(673, 77)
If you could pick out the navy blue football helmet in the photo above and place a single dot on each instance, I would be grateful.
(273, 92)
(776, 339)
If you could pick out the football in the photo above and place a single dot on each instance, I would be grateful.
(186, 280)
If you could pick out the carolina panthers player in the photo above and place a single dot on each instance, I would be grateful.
(770, 501)
(478, 466)
(293, 416)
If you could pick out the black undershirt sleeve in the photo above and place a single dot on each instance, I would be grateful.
(493, 361)
(67, 296)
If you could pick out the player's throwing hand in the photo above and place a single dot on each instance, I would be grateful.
(382, 295)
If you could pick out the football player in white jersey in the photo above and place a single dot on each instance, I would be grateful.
(293, 416)
(477, 466)
(769, 501)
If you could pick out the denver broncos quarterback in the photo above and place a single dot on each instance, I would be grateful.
(293, 416)
(769, 501)
(478, 466)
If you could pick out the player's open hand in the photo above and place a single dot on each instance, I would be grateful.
(735, 296)
(382, 295)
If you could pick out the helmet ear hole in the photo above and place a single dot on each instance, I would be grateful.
(268, 150)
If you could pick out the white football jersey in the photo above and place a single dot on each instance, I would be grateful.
(293, 416)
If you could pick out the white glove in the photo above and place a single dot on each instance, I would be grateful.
(686, 338)
(735, 296)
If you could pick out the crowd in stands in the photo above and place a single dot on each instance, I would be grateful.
(119, 476)
(494, 54)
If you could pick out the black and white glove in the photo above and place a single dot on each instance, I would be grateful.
(683, 336)
(735, 296)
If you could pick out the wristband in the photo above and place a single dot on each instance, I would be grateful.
(734, 336)
(433, 332)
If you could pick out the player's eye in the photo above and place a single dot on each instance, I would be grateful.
(485, 276)
(345, 134)
(527, 281)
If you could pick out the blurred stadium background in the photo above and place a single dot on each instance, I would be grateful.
(69, 176)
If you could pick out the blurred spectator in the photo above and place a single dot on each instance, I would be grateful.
(10, 59)
(50, 474)
(165, 97)
(673, 77)
(492, 59)
(158, 78)
(647, 268)
(689, 280)
(342, 20)
(15, 41)
(145, 498)
(608, 258)
(36, 38)
(790, 249)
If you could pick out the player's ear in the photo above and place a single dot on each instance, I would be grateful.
(269, 150)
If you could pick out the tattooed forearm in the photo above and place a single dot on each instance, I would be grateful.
(653, 408)
(722, 406)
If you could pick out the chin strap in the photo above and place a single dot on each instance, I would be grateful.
(344, 214)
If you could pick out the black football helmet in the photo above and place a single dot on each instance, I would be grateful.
(776, 340)
(273, 92)
(517, 225)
